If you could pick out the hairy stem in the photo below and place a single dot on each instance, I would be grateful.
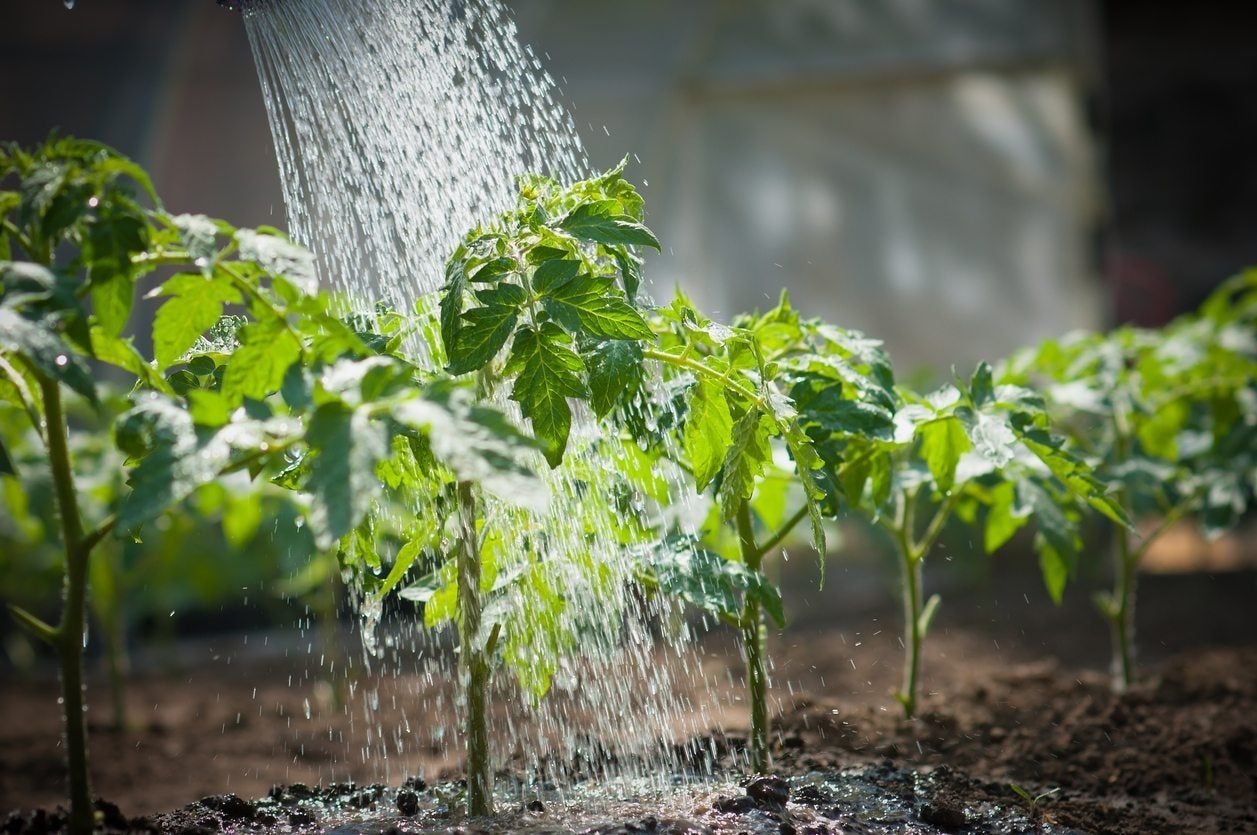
(753, 634)
(475, 664)
(70, 631)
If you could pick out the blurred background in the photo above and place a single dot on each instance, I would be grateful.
(956, 177)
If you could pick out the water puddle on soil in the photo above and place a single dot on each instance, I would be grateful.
(873, 800)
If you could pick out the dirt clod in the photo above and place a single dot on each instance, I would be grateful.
(769, 792)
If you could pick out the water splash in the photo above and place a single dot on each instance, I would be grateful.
(400, 124)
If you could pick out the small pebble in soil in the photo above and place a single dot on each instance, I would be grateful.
(230, 806)
(408, 803)
(772, 792)
(738, 805)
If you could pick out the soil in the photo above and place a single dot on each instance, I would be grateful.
(1016, 694)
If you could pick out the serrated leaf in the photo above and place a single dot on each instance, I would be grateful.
(553, 274)
(708, 430)
(591, 306)
(943, 441)
(452, 299)
(47, 352)
(122, 353)
(615, 367)
(112, 297)
(482, 335)
(476, 443)
(346, 446)
(1003, 517)
(602, 222)
(278, 255)
(199, 235)
(195, 305)
(175, 460)
(745, 460)
(256, 369)
(546, 373)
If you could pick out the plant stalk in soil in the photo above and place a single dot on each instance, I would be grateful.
(474, 658)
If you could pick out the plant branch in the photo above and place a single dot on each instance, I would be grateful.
(923, 545)
(783, 531)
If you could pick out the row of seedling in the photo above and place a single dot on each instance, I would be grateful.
(775, 418)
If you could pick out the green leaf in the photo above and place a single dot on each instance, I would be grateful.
(602, 222)
(176, 461)
(1158, 434)
(483, 333)
(943, 441)
(199, 235)
(553, 274)
(745, 460)
(278, 255)
(492, 271)
(476, 443)
(47, 352)
(122, 353)
(547, 372)
(112, 297)
(346, 446)
(452, 298)
(1003, 518)
(6, 461)
(256, 369)
(1055, 566)
(195, 306)
(708, 430)
(981, 386)
(615, 367)
(592, 306)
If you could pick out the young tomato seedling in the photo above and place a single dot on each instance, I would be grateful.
(1169, 417)
(76, 246)
(911, 463)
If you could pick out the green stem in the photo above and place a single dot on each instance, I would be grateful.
(753, 634)
(910, 559)
(1122, 621)
(689, 364)
(782, 532)
(475, 664)
(70, 632)
(912, 629)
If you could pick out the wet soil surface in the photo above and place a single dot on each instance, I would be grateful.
(1177, 753)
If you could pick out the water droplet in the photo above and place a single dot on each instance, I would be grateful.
(69, 4)
(61, 360)
(91, 201)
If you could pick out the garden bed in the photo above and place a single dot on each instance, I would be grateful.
(1174, 754)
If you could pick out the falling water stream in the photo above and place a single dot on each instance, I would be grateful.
(399, 125)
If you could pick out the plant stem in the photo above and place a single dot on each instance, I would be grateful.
(475, 664)
(1122, 620)
(912, 628)
(753, 634)
(783, 531)
(70, 631)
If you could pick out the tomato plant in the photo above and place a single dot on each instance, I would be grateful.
(1169, 417)
(970, 450)
(284, 389)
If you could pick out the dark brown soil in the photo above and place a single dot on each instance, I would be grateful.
(1177, 753)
